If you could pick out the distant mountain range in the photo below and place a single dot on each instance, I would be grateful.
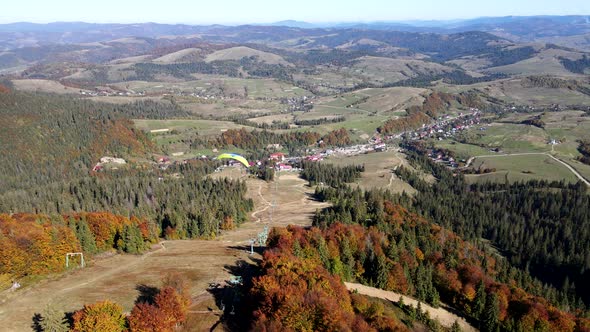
(575, 30)
(25, 44)
(523, 28)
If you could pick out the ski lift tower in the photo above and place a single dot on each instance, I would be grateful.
(252, 241)
(82, 264)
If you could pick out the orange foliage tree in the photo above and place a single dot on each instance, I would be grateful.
(169, 309)
(399, 251)
(35, 244)
(103, 316)
(300, 295)
(32, 244)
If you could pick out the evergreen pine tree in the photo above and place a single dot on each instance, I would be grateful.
(491, 314)
(54, 321)
(382, 272)
(433, 296)
(72, 225)
(419, 311)
(455, 327)
(479, 302)
(86, 238)
(132, 240)
(323, 252)
(297, 248)
(347, 259)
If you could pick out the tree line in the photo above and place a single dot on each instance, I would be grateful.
(295, 291)
(402, 252)
(584, 149)
(315, 122)
(330, 175)
(36, 244)
(257, 140)
(232, 68)
(182, 202)
(576, 66)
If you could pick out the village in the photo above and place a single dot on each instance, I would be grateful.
(445, 127)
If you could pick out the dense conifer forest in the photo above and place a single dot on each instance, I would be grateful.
(539, 226)
(576, 66)
(187, 207)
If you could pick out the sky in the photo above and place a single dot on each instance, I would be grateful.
(267, 11)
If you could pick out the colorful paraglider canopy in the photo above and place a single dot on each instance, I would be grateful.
(234, 156)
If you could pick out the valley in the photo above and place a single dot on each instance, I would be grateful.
(444, 163)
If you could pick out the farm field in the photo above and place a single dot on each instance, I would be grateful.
(237, 53)
(378, 172)
(205, 127)
(363, 112)
(119, 277)
(463, 151)
(511, 137)
(172, 135)
(516, 93)
(521, 168)
(544, 63)
(205, 84)
(48, 86)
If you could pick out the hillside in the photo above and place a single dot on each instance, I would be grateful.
(237, 53)
(381, 69)
(185, 55)
(50, 138)
(548, 60)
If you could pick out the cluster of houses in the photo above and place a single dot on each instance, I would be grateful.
(447, 127)
(445, 157)
(107, 91)
(294, 104)
(282, 163)
(104, 161)
(280, 160)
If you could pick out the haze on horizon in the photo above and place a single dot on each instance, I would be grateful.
(267, 11)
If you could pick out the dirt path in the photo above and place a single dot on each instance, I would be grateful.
(120, 277)
(445, 317)
(265, 204)
(578, 175)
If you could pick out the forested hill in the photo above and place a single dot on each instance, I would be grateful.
(45, 138)
(539, 226)
(388, 247)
